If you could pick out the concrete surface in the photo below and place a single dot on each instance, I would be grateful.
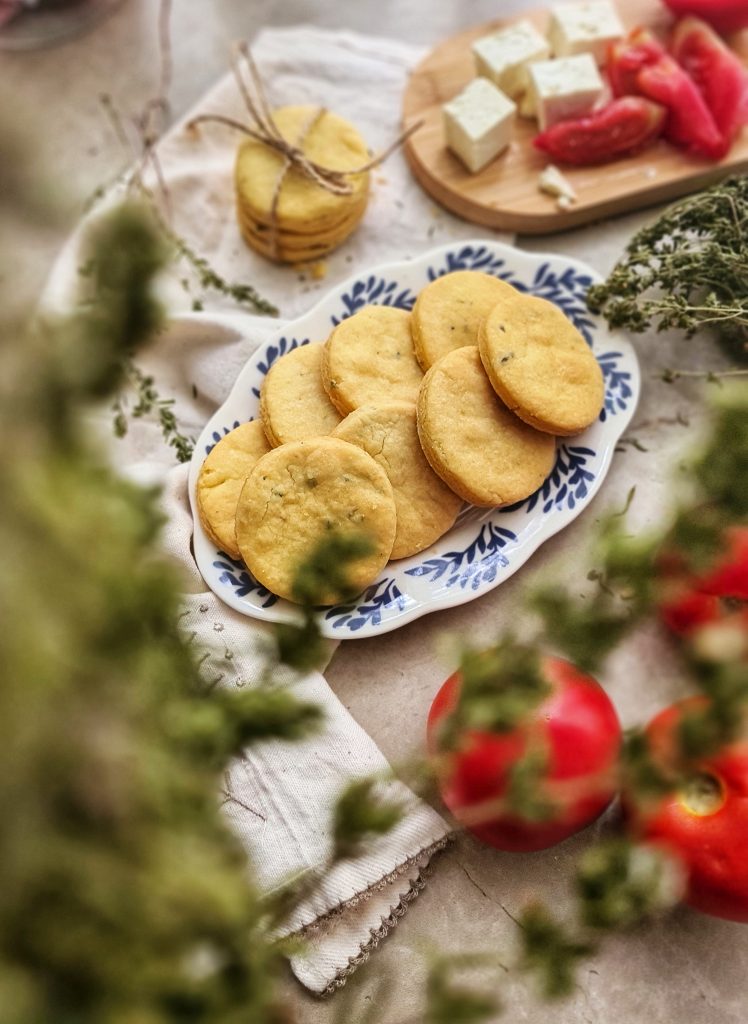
(687, 968)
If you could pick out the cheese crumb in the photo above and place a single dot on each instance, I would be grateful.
(553, 183)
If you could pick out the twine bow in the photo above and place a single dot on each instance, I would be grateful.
(263, 128)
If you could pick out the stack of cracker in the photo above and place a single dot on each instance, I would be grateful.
(284, 213)
(386, 428)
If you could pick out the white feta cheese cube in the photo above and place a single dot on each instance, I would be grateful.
(503, 56)
(565, 88)
(478, 123)
(587, 27)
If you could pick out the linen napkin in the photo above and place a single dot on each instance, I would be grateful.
(279, 796)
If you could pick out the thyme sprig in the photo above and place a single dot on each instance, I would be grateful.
(150, 403)
(210, 280)
(688, 270)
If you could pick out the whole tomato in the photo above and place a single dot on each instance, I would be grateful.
(704, 821)
(690, 601)
(578, 729)
(728, 577)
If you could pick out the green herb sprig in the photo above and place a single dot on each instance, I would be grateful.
(500, 686)
(688, 270)
(149, 402)
(243, 294)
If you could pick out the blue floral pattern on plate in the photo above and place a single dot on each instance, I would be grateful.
(618, 391)
(475, 564)
(373, 291)
(272, 354)
(485, 546)
(218, 435)
(235, 575)
(375, 601)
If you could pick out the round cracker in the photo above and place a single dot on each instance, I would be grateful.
(293, 403)
(369, 360)
(281, 255)
(426, 507)
(449, 311)
(326, 139)
(474, 443)
(294, 248)
(221, 479)
(303, 238)
(297, 495)
(541, 366)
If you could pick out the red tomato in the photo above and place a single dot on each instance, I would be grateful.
(729, 576)
(724, 15)
(685, 610)
(579, 728)
(621, 127)
(639, 65)
(690, 601)
(705, 822)
(716, 70)
(689, 123)
(626, 58)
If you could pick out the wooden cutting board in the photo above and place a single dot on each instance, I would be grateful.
(504, 194)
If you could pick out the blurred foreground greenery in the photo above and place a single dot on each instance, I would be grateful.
(124, 897)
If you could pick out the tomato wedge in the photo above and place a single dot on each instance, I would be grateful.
(624, 125)
(724, 15)
(689, 123)
(626, 58)
(716, 70)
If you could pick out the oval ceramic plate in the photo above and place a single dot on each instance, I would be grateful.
(486, 545)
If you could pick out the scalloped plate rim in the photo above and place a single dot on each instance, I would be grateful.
(548, 526)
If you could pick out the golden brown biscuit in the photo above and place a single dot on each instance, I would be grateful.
(302, 204)
(294, 247)
(278, 254)
(293, 403)
(221, 479)
(449, 311)
(426, 507)
(301, 492)
(282, 251)
(369, 359)
(473, 442)
(541, 366)
(302, 238)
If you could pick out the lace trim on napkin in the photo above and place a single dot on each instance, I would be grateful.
(389, 922)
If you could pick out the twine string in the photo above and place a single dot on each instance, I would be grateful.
(259, 89)
(274, 232)
(263, 128)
